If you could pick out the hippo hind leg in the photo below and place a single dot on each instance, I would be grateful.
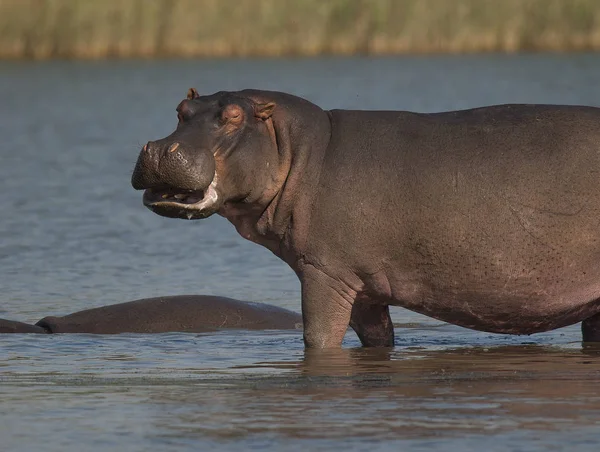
(590, 329)
(372, 323)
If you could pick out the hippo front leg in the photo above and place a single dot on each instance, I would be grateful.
(326, 309)
(372, 323)
(590, 329)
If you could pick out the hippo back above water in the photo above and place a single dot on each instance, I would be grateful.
(487, 218)
(179, 313)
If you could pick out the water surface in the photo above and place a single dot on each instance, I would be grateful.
(75, 236)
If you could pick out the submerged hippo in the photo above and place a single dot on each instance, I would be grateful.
(487, 218)
(182, 313)
(12, 326)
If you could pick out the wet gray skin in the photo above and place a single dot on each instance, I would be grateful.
(485, 218)
(182, 313)
(12, 326)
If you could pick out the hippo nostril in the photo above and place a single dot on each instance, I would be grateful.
(173, 147)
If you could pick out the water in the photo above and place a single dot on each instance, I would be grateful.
(75, 236)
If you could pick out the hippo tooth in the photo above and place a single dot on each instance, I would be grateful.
(180, 196)
(165, 196)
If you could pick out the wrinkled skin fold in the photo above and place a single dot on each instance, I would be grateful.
(486, 218)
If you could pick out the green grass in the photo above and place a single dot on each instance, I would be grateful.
(193, 28)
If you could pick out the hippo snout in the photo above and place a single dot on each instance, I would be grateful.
(179, 180)
(173, 164)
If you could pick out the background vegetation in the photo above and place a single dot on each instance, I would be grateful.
(193, 28)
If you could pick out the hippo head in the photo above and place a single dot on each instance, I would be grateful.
(222, 152)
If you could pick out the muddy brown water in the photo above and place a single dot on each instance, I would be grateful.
(75, 236)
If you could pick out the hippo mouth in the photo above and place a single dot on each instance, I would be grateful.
(180, 203)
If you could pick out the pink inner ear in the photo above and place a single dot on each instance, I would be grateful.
(264, 111)
(192, 94)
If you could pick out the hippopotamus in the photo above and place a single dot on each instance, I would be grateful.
(12, 326)
(487, 218)
(181, 313)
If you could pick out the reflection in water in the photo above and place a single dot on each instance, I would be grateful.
(262, 389)
(392, 394)
(439, 396)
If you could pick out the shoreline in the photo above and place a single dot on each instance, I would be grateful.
(147, 29)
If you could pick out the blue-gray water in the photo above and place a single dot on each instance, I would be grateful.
(74, 235)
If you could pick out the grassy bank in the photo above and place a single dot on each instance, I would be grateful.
(193, 28)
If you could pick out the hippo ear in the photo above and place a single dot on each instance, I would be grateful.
(232, 114)
(264, 111)
(192, 94)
